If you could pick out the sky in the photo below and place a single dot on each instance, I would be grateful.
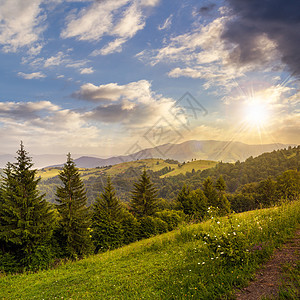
(97, 77)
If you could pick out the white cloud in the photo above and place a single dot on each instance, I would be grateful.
(112, 47)
(132, 104)
(93, 22)
(20, 24)
(121, 19)
(54, 60)
(87, 71)
(140, 90)
(202, 53)
(35, 75)
(46, 127)
(167, 24)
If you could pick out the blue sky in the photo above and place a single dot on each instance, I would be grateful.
(105, 77)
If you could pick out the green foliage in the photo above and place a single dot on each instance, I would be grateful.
(107, 206)
(242, 202)
(74, 215)
(288, 184)
(166, 266)
(172, 217)
(107, 235)
(107, 230)
(130, 227)
(151, 226)
(26, 220)
(210, 192)
(143, 201)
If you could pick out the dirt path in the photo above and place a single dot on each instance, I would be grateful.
(269, 277)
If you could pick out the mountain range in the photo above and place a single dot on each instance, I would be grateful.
(206, 150)
(186, 151)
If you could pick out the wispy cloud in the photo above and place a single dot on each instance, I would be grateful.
(34, 75)
(21, 24)
(132, 104)
(167, 24)
(87, 71)
(120, 19)
(203, 53)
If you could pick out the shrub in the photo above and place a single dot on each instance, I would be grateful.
(171, 217)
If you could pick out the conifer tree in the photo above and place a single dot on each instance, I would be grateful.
(107, 206)
(75, 217)
(143, 199)
(223, 204)
(26, 219)
(210, 192)
(107, 214)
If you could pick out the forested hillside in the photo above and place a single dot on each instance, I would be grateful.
(192, 174)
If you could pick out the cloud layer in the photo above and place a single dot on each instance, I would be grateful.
(278, 20)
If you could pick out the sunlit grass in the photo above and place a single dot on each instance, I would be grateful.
(175, 265)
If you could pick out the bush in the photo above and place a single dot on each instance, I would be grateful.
(150, 226)
(130, 228)
(107, 235)
(8, 263)
(171, 217)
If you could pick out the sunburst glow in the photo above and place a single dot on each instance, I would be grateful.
(256, 114)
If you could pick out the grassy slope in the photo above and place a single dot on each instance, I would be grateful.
(122, 167)
(175, 265)
(188, 167)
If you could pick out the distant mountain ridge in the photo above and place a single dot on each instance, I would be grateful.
(204, 150)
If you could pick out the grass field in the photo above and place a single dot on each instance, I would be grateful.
(200, 261)
(150, 164)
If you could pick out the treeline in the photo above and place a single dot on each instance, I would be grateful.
(235, 175)
(35, 233)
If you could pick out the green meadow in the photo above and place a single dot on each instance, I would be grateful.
(201, 261)
(153, 164)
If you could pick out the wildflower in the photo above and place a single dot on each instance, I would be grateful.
(219, 246)
(203, 263)
(212, 258)
(222, 253)
(218, 222)
(234, 233)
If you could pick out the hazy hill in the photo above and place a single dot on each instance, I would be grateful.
(40, 161)
(186, 151)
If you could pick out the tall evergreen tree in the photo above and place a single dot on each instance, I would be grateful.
(107, 214)
(107, 206)
(223, 204)
(143, 199)
(26, 219)
(74, 215)
(210, 192)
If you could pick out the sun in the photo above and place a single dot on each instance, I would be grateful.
(256, 113)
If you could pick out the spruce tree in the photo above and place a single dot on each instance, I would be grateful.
(210, 192)
(26, 219)
(223, 204)
(107, 214)
(74, 215)
(107, 206)
(143, 199)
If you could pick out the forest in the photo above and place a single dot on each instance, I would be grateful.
(36, 234)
